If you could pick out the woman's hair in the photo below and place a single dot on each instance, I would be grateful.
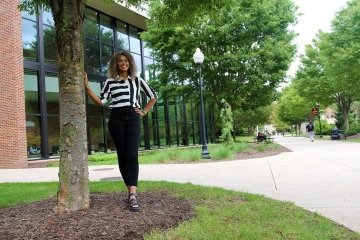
(113, 71)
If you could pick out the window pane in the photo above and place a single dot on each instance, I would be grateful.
(106, 53)
(122, 36)
(96, 134)
(91, 27)
(52, 95)
(148, 71)
(92, 59)
(50, 47)
(29, 39)
(48, 18)
(134, 40)
(138, 64)
(135, 45)
(31, 92)
(147, 51)
(93, 109)
(106, 33)
(33, 136)
(54, 135)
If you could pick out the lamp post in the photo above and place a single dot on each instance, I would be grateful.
(318, 106)
(199, 59)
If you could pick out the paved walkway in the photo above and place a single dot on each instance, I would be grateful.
(321, 176)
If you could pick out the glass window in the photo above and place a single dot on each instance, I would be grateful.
(147, 51)
(92, 57)
(48, 18)
(122, 36)
(134, 40)
(106, 53)
(52, 94)
(106, 32)
(50, 46)
(32, 105)
(148, 71)
(91, 27)
(33, 136)
(54, 135)
(29, 39)
(93, 109)
(138, 64)
(97, 134)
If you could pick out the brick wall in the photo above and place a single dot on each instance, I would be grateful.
(12, 100)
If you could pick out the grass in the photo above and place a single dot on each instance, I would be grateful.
(184, 154)
(220, 214)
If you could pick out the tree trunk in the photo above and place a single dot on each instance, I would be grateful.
(73, 192)
(344, 105)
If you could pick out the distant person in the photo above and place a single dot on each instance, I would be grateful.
(261, 136)
(310, 129)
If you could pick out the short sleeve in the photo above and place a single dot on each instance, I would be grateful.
(144, 87)
(105, 92)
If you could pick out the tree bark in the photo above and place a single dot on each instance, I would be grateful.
(73, 192)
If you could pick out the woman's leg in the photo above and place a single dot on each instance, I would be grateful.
(117, 131)
(132, 147)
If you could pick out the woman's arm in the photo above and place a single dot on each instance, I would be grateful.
(90, 92)
(149, 105)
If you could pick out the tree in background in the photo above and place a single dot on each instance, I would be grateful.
(227, 123)
(330, 70)
(293, 109)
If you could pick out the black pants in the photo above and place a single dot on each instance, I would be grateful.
(124, 127)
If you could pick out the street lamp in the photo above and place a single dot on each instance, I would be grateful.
(199, 59)
(318, 106)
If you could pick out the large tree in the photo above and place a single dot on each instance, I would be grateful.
(73, 193)
(247, 47)
(330, 70)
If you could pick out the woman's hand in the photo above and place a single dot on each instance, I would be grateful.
(86, 81)
(140, 112)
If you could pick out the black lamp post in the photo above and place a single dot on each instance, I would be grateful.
(318, 106)
(199, 59)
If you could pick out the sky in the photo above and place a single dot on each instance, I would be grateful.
(316, 14)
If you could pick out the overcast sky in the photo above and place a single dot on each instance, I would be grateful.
(316, 14)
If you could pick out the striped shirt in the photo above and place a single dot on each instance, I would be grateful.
(125, 92)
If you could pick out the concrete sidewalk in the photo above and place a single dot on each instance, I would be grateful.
(321, 176)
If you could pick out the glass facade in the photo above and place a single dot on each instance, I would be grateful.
(171, 122)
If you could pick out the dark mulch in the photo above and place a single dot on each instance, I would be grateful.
(107, 218)
(259, 154)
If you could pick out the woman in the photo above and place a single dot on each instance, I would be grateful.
(124, 123)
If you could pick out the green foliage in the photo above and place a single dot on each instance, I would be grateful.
(292, 108)
(325, 127)
(227, 123)
(330, 70)
(247, 48)
(251, 117)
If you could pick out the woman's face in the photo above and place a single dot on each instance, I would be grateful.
(123, 64)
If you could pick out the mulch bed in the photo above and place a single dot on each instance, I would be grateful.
(259, 154)
(107, 218)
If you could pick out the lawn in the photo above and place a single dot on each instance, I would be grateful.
(220, 214)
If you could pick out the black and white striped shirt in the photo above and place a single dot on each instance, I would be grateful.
(125, 92)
